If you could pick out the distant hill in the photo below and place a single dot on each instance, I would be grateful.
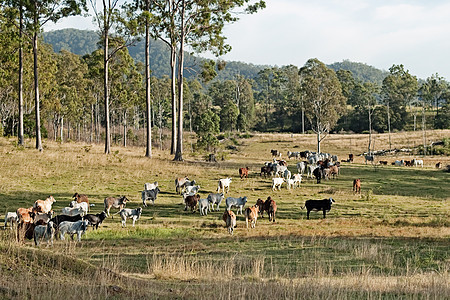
(82, 42)
(361, 71)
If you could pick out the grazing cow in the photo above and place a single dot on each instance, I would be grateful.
(357, 185)
(319, 174)
(149, 195)
(215, 199)
(350, 157)
(116, 202)
(399, 163)
(42, 219)
(56, 220)
(191, 201)
(72, 211)
(243, 172)
(271, 207)
(368, 158)
(203, 205)
(301, 166)
(78, 228)
(128, 213)
(83, 205)
(383, 162)
(251, 213)
(192, 189)
(11, 217)
(25, 215)
(297, 180)
(417, 162)
(44, 232)
(276, 183)
(267, 170)
(230, 220)
(239, 203)
(96, 219)
(81, 198)
(295, 155)
(44, 206)
(438, 165)
(150, 186)
(317, 205)
(224, 183)
(180, 183)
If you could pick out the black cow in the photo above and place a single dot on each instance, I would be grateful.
(62, 218)
(266, 170)
(150, 195)
(96, 219)
(318, 173)
(317, 205)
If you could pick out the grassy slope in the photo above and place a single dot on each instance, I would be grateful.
(393, 240)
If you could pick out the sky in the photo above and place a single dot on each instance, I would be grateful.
(380, 33)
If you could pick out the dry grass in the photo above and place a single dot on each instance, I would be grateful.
(390, 242)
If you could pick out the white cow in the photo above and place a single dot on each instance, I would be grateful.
(150, 186)
(224, 183)
(301, 166)
(192, 189)
(287, 174)
(203, 205)
(72, 211)
(237, 202)
(276, 183)
(290, 183)
(418, 162)
(83, 205)
(128, 213)
(78, 228)
(297, 179)
(311, 169)
(11, 217)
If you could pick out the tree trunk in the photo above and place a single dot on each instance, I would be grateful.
(318, 141)
(179, 150)
(106, 89)
(423, 131)
(61, 134)
(174, 100)
(148, 152)
(36, 89)
(20, 127)
(389, 125)
(125, 128)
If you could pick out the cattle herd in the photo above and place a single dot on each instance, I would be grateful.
(38, 222)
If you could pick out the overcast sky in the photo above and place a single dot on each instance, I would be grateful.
(379, 33)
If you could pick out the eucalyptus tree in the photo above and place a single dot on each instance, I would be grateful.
(121, 31)
(399, 87)
(36, 14)
(324, 102)
(198, 24)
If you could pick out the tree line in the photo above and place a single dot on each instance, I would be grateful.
(106, 93)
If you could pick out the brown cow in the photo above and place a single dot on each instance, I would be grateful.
(191, 201)
(230, 220)
(357, 185)
(383, 162)
(119, 202)
(243, 172)
(25, 227)
(260, 204)
(25, 215)
(271, 207)
(251, 213)
(81, 198)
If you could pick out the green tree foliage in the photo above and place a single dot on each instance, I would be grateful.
(360, 71)
(207, 127)
(324, 102)
(228, 116)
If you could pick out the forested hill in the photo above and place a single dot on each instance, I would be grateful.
(360, 71)
(86, 41)
(83, 42)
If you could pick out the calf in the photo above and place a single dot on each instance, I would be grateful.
(324, 205)
(251, 213)
(224, 183)
(96, 219)
(11, 217)
(128, 213)
(150, 186)
(72, 211)
(276, 183)
(44, 232)
(150, 195)
(44, 206)
(243, 172)
(357, 185)
(191, 201)
(116, 202)
(215, 199)
(78, 228)
(383, 162)
(230, 220)
(237, 202)
(203, 205)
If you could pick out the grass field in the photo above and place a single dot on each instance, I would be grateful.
(391, 242)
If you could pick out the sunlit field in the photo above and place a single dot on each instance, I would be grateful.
(391, 241)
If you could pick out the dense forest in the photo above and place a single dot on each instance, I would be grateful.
(216, 96)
